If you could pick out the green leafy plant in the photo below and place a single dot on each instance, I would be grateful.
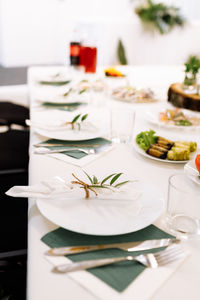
(121, 53)
(96, 184)
(164, 18)
(78, 120)
(192, 67)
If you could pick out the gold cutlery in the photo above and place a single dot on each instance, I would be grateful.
(130, 246)
(69, 145)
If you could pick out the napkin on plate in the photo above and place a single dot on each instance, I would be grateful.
(119, 275)
(49, 189)
(59, 125)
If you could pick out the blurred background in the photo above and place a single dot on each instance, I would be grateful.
(35, 32)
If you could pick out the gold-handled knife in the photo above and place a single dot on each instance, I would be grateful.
(68, 145)
(130, 246)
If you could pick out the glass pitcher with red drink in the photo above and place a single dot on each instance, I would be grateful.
(88, 58)
(88, 49)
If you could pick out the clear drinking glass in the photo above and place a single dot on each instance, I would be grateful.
(122, 125)
(183, 206)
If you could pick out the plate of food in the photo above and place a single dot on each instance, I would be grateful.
(192, 169)
(113, 208)
(159, 148)
(174, 118)
(132, 95)
(113, 72)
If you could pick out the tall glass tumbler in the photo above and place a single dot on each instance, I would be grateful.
(183, 206)
(122, 125)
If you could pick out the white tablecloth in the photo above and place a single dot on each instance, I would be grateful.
(176, 283)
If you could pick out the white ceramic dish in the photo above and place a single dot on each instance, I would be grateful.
(70, 135)
(96, 217)
(153, 118)
(142, 152)
(59, 98)
(47, 125)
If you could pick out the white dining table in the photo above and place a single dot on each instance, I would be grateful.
(179, 281)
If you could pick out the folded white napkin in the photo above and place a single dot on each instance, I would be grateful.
(58, 186)
(61, 125)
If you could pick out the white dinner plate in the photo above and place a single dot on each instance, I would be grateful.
(97, 121)
(153, 118)
(143, 152)
(70, 135)
(55, 97)
(96, 217)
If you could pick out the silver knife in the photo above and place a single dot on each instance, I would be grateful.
(130, 246)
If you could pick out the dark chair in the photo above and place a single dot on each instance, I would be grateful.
(11, 113)
(13, 233)
(13, 211)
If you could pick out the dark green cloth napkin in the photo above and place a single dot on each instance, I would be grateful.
(118, 275)
(54, 82)
(63, 106)
(86, 144)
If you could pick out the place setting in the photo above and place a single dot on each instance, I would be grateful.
(63, 98)
(103, 220)
(52, 78)
(77, 138)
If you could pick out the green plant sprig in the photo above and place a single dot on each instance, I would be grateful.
(68, 92)
(95, 183)
(83, 91)
(192, 67)
(76, 119)
(163, 17)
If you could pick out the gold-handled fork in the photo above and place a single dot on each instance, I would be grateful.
(150, 260)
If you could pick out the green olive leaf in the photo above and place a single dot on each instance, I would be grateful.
(115, 178)
(121, 183)
(84, 117)
(82, 91)
(76, 118)
(95, 180)
(108, 177)
(90, 179)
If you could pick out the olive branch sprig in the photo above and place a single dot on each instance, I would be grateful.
(76, 119)
(95, 183)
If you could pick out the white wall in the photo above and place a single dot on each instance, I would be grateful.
(28, 31)
(39, 32)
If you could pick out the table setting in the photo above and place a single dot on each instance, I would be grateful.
(109, 189)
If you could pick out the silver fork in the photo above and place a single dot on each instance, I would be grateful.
(150, 260)
(44, 150)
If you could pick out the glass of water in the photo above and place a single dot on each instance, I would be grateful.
(122, 125)
(183, 206)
